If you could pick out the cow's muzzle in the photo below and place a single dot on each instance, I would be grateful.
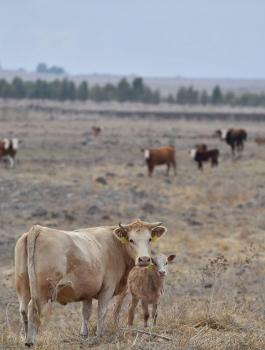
(143, 261)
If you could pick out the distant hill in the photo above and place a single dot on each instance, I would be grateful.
(165, 84)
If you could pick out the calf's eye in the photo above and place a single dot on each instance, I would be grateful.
(131, 241)
(150, 239)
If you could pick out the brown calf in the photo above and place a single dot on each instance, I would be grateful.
(145, 284)
(160, 156)
(8, 150)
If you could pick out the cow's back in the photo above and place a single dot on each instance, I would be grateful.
(162, 155)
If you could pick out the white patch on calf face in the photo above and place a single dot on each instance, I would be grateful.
(146, 153)
(15, 144)
(193, 153)
(161, 264)
(223, 134)
(6, 144)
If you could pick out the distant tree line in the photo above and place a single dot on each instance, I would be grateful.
(65, 89)
(135, 91)
(191, 96)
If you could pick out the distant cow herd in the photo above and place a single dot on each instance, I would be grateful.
(235, 138)
(166, 155)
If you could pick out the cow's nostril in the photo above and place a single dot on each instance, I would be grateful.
(144, 260)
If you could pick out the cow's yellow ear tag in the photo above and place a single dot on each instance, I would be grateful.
(123, 240)
(154, 238)
(151, 266)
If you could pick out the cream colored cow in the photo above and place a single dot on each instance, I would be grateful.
(69, 266)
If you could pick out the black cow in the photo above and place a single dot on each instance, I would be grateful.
(235, 138)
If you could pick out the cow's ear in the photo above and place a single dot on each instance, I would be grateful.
(171, 258)
(158, 232)
(122, 234)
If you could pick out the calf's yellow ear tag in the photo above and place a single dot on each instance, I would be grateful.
(154, 238)
(124, 240)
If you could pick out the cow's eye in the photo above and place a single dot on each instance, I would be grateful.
(131, 241)
(150, 239)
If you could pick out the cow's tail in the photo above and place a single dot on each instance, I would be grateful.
(118, 306)
(32, 236)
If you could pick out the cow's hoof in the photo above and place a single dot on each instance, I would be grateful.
(84, 335)
(29, 344)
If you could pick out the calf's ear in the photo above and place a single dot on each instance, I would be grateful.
(158, 232)
(121, 234)
(171, 258)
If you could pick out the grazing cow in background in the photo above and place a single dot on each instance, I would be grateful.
(96, 130)
(260, 141)
(235, 138)
(201, 154)
(70, 266)
(8, 150)
(159, 156)
(145, 284)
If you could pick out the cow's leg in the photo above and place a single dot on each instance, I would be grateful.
(132, 307)
(174, 167)
(103, 302)
(150, 170)
(23, 309)
(233, 149)
(200, 165)
(146, 313)
(86, 313)
(11, 162)
(168, 168)
(34, 311)
(154, 313)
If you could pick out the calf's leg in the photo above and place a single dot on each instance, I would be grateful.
(86, 313)
(146, 313)
(154, 313)
(131, 312)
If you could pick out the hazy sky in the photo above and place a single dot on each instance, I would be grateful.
(192, 38)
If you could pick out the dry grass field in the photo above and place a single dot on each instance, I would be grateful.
(66, 178)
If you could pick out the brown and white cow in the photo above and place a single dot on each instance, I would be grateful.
(160, 156)
(201, 154)
(235, 138)
(70, 266)
(8, 150)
